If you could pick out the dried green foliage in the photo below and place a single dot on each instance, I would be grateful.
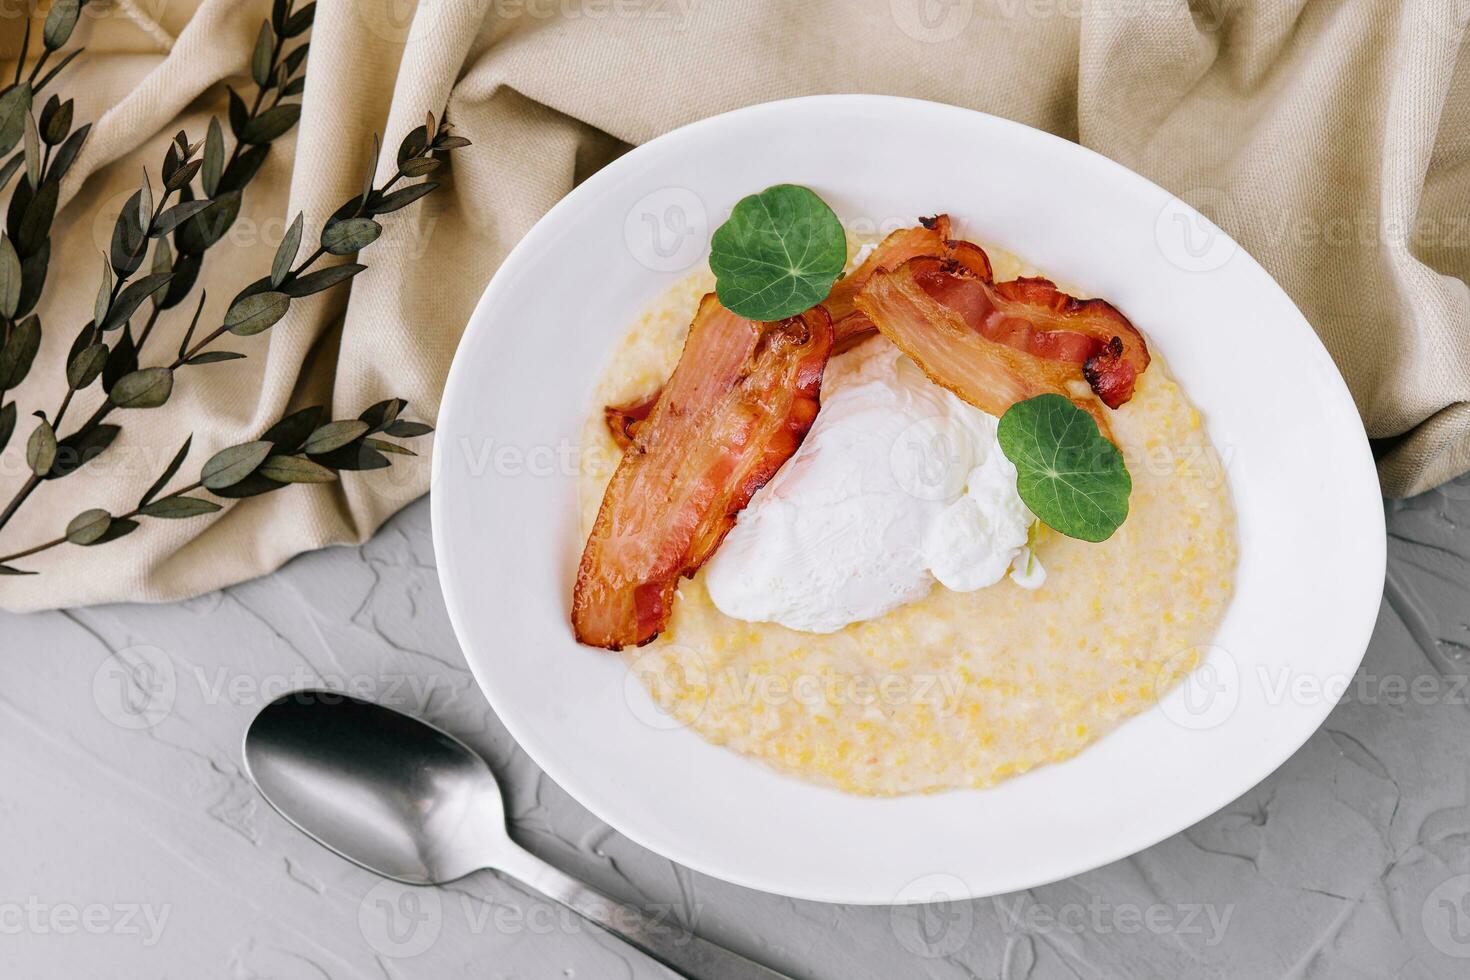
(181, 214)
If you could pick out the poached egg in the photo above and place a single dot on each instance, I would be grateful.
(898, 485)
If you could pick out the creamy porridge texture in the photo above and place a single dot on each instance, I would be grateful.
(955, 689)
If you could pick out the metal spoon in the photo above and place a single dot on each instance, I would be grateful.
(413, 803)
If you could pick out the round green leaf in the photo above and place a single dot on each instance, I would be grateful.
(83, 369)
(252, 314)
(147, 388)
(229, 466)
(1070, 476)
(41, 448)
(778, 254)
(350, 235)
(88, 526)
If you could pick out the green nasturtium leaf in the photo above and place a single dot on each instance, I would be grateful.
(778, 254)
(1067, 472)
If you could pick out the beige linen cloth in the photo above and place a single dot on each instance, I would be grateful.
(1331, 138)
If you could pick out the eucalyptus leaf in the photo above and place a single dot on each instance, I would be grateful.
(132, 297)
(56, 120)
(128, 238)
(253, 314)
(214, 158)
(451, 143)
(260, 58)
(33, 277)
(186, 273)
(355, 456)
(778, 254)
(19, 352)
(289, 434)
(420, 166)
(315, 282)
(402, 197)
(271, 123)
(382, 414)
(41, 448)
(242, 169)
(146, 388)
(413, 144)
(32, 143)
(122, 360)
(15, 102)
(88, 526)
(383, 446)
(168, 472)
(300, 21)
(183, 175)
(295, 58)
(35, 220)
(215, 357)
(179, 213)
(350, 235)
(66, 154)
(178, 508)
(294, 469)
(7, 424)
(61, 20)
(80, 448)
(103, 302)
(286, 251)
(404, 429)
(12, 570)
(1067, 472)
(196, 234)
(229, 466)
(84, 368)
(334, 435)
(145, 203)
(295, 86)
(239, 115)
(120, 527)
(252, 486)
(9, 278)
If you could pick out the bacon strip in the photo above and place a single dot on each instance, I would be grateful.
(738, 405)
(932, 309)
(849, 325)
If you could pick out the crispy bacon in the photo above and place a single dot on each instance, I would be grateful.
(933, 309)
(623, 420)
(737, 406)
(849, 325)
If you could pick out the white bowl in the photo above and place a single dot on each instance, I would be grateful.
(1312, 544)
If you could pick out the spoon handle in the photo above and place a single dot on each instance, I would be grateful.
(666, 941)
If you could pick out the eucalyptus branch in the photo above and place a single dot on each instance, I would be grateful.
(300, 448)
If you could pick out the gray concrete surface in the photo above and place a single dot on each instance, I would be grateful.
(132, 845)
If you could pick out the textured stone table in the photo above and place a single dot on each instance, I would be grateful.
(132, 845)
